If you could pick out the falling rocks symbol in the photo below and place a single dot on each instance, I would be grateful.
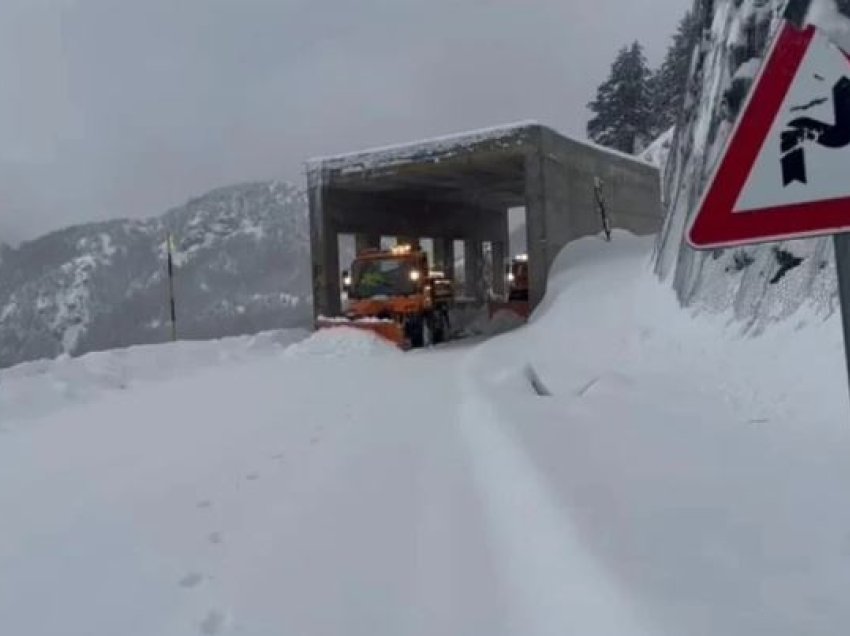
(806, 129)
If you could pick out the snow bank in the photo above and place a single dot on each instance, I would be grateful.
(479, 322)
(37, 388)
(502, 321)
(707, 472)
(342, 342)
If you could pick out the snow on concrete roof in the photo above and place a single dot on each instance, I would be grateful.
(612, 151)
(398, 153)
(445, 145)
(658, 151)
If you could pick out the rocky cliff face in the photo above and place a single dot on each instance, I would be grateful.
(242, 265)
(764, 283)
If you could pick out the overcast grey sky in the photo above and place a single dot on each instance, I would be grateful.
(127, 107)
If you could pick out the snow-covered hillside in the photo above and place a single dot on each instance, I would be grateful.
(759, 284)
(243, 266)
(679, 479)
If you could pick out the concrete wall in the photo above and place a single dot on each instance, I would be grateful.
(324, 249)
(356, 213)
(561, 203)
(369, 216)
(558, 191)
(631, 189)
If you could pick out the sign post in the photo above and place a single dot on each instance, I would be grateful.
(170, 248)
(841, 243)
(796, 15)
(600, 203)
(785, 172)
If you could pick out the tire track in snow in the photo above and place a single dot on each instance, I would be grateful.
(555, 585)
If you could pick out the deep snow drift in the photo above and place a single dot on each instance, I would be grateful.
(679, 480)
(708, 472)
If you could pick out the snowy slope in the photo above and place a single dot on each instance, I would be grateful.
(679, 480)
(242, 266)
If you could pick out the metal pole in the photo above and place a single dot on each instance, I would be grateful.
(842, 267)
(169, 242)
(796, 12)
(600, 202)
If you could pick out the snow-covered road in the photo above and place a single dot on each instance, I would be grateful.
(303, 494)
(338, 486)
(296, 494)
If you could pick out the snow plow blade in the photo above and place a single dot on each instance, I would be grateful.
(387, 329)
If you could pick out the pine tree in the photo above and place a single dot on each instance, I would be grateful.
(670, 81)
(622, 109)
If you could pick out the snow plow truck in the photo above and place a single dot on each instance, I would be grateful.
(516, 274)
(395, 294)
(516, 279)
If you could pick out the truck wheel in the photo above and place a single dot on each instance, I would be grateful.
(436, 329)
(427, 332)
(414, 329)
(441, 328)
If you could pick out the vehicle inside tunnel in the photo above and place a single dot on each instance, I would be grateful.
(456, 201)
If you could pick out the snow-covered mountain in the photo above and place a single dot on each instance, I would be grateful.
(242, 265)
(763, 283)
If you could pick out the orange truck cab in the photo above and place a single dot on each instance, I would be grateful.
(516, 277)
(395, 294)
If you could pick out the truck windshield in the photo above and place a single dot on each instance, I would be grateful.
(381, 277)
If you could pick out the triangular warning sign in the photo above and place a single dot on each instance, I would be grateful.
(785, 172)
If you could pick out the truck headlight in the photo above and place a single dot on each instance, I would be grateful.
(511, 277)
(415, 275)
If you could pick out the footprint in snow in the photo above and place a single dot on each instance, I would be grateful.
(215, 537)
(206, 503)
(192, 579)
(252, 476)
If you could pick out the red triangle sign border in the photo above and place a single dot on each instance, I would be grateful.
(716, 224)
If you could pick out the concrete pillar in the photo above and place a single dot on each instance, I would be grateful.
(363, 242)
(497, 254)
(444, 256)
(324, 249)
(535, 227)
(473, 268)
